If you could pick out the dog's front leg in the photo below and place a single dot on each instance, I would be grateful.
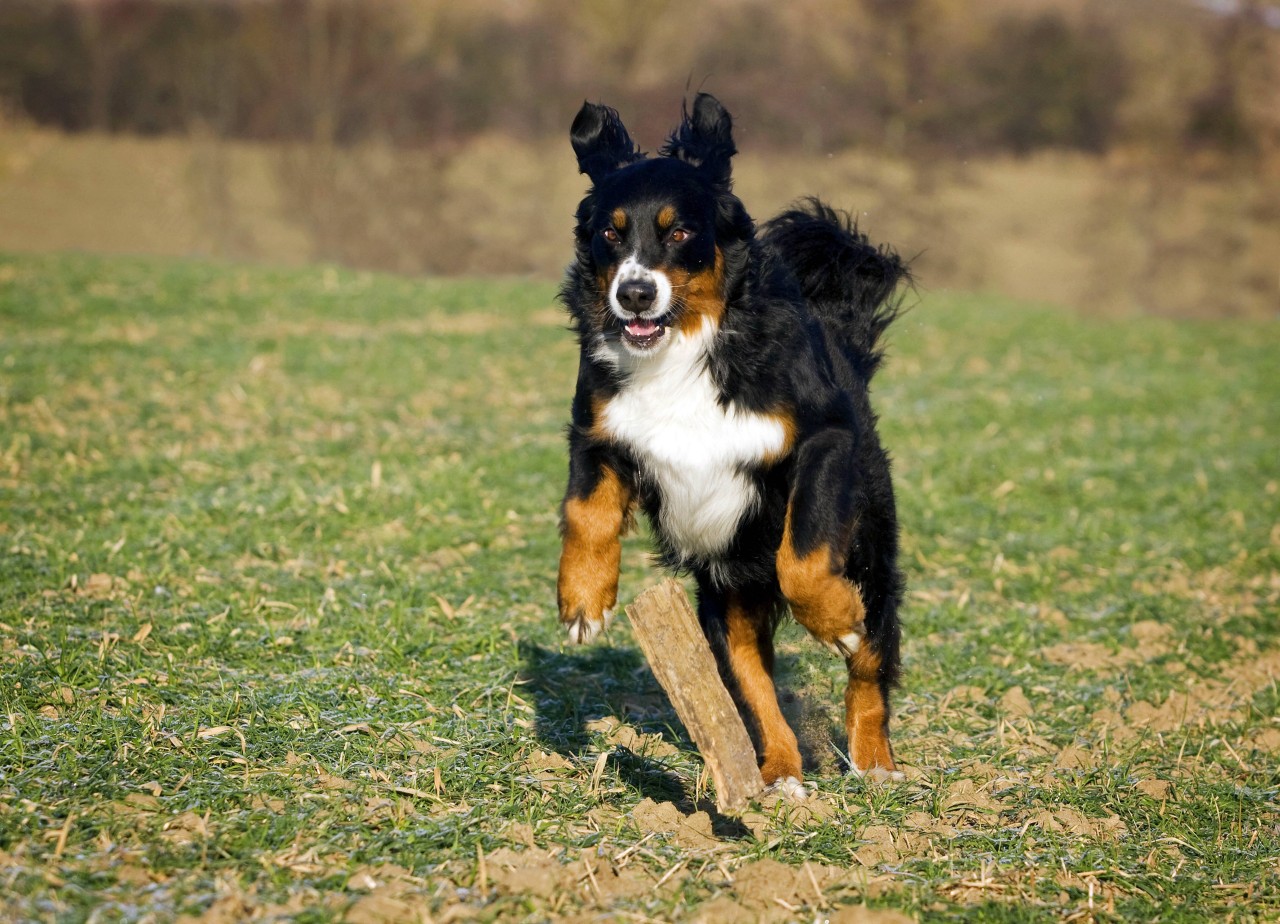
(596, 507)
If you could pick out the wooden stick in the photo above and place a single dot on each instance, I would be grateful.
(678, 654)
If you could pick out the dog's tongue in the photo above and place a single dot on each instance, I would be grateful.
(641, 327)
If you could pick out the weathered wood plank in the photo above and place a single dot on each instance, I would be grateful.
(667, 630)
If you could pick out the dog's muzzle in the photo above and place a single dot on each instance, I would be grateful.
(641, 299)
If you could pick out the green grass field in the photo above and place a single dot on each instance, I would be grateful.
(277, 631)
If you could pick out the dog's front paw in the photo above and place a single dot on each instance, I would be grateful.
(878, 774)
(789, 787)
(583, 629)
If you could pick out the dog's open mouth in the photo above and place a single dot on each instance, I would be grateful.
(643, 333)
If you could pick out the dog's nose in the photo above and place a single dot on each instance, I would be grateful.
(637, 295)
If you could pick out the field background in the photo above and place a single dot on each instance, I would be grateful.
(283, 385)
(1119, 158)
(1106, 236)
(279, 636)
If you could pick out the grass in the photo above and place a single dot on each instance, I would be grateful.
(277, 635)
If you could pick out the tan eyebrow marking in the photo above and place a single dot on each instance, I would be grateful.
(667, 217)
(619, 218)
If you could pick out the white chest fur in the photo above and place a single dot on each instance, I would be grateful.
(693, 447)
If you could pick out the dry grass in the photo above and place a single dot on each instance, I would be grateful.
(1109, 238)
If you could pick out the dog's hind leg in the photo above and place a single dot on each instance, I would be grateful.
(821, 519)
(739, 627)
(866, 709)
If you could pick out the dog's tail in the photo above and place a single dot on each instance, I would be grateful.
(849, 283)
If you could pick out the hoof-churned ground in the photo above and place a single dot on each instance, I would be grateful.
(277, 640)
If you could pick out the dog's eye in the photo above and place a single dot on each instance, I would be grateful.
(679, 236)
(610, 235)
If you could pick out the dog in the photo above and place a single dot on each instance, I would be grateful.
(723, 390)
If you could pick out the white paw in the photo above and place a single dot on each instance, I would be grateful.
(878, 775)
(790, 787)
(847, 644)
(583, 631)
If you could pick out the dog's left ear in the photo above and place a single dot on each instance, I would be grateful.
(704, 138)
(601, 141)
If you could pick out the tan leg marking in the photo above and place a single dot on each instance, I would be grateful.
(751, 660)
(822, 599)
(589, 559)
(830, 606)
(866, 715)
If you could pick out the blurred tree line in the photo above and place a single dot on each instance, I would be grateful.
(904, 76)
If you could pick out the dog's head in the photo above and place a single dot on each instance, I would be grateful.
(659, 240)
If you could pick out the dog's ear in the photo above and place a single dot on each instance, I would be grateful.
(601, 141)
(704, 138)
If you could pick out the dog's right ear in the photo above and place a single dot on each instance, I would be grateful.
(601, 141)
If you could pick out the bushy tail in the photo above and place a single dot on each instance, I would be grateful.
(848, 282)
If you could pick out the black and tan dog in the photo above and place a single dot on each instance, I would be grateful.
(722, 388)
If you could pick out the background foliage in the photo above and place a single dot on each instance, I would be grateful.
(1112, 156)
(944, 75)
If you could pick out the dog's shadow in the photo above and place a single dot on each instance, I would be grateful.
(571, 689)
